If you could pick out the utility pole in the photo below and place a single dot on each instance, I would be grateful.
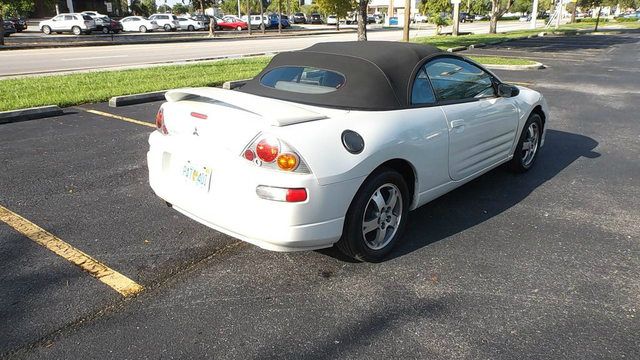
(70, 5)
(239, 15)
(456, 17)
(559, 14)
(534, 14)
(407, 19)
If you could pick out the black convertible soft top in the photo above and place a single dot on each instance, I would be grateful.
(378, 73)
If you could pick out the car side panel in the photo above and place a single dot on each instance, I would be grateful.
(419, 136)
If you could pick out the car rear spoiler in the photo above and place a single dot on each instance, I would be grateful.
(276, 112)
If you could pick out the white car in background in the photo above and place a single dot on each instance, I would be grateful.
(138, 23)
(332, 20)
(190, 24)
(97, 17)
(256, 23)
(71, 22)
(168, 22)
(334, 144)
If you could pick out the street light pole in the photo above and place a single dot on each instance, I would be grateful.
(534, 14)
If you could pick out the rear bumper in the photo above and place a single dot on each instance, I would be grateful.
(231, 205)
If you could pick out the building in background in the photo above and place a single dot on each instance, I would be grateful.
(47, 8)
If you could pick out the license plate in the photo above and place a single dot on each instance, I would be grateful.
(198, 176)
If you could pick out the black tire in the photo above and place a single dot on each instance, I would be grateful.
(105, 30)
(88, 32)
(76, 30)
(167, 27)
(191, 28)
(46, 30)
(354, 243)
(58, 32)
(143, 29)
(239, 28)
(522, 159)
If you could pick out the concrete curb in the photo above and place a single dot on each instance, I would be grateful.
(29, 114)
(456, 48)
(535, 66)
(124, 100)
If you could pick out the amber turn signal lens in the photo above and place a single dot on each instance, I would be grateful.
(287, 162)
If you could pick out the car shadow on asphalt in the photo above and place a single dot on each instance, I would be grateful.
(487, 196)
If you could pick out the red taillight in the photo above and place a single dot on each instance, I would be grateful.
(281, 194)
(199, 115)
(267, 150)
(160, 122)
(296, 195)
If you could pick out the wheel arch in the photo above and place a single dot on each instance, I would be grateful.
(406, 169)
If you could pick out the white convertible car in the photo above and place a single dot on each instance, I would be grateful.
(334, 144)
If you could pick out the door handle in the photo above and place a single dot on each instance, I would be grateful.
(457, 124)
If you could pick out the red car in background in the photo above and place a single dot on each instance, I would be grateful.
(231, 23)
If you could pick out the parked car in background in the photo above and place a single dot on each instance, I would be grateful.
(420, 18)
(190, 24)
(71, 22)
(205, 19)
(315, 18)
(524, 18)
(19, 23)
(379, 18)
(138, 23)
(168, 22)
(97, 17)
(8, 28)
(635, 15)
(299, 18)
(479, 17)
(284, 19)
(466, 17)
(256, 22)
(110, 25)
(274, 19)
(332, 20)
(336, 143)
(230, 22)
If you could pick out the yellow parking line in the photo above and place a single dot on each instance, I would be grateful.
(95, 268)
(123, 118)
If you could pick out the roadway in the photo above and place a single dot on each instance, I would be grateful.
(69, 59)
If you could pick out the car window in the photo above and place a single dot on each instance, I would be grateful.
(69, 17)
(305, 80)
(87, 17)
(174, 17)
(422, 93)
(58, 18)
(454, 79)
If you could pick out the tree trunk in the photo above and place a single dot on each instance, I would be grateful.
(262, 24)
(362, 21)
(493, 23)
(249, 17)
(279, 16)
(598, 19)
(1, 28)
(573, 13)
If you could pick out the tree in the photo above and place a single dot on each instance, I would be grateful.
(498, 8)
(149, 7)
(164, 9)
(362, 19)
(340, 8)
(180, 9)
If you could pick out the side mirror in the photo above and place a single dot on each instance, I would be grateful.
(506, 90)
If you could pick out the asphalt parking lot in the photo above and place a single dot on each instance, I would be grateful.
(541, 265)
